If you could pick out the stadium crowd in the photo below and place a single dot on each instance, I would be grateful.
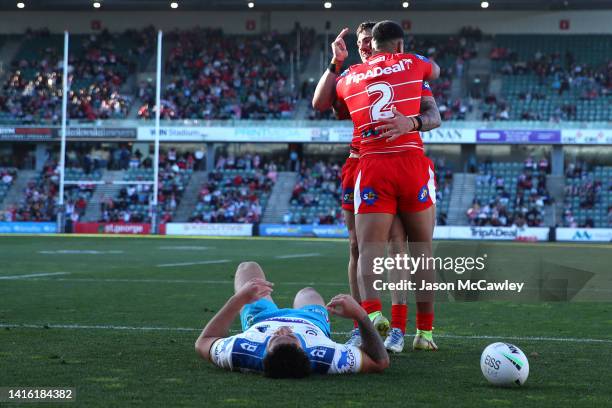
(315, 198)
(132, 202)
(97, 73)
(587, 195)
(217, 76)
(559, 77)
(235, 190)
(519, 205)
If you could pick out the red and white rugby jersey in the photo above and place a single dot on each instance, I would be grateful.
(372, 88)
(343, 113)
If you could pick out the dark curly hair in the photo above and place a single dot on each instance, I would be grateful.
(286, 361)
(385, 32)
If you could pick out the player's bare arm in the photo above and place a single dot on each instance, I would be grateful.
(399, 124)
(429, 114)
(375, 357)
(435, 71)
(325, 92)
(220, 324)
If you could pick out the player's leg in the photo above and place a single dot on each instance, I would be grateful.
(418, 214)
(244, 273)
(420, 232)
(348, 176)
(247, 271)
(375, 208)
(349, 171)
(399, 298)
(372, 235)
(349, 219)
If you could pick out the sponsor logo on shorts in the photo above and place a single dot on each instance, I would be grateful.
(423, 194)
(368, 195)
(348, 195)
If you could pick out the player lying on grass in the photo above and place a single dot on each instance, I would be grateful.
(287, 343)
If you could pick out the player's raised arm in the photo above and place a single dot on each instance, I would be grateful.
(325, 92)
(375, 357)
(220, 324)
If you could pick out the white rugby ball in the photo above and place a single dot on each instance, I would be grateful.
(504, 364)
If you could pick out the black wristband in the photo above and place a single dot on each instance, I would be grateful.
(335, 66)
(419, 121)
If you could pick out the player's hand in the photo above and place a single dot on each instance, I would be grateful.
(338, 47)
(254, 290)
(398, 125)
(346, 306)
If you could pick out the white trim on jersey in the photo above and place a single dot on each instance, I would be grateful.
(360, 109)
(390, 103)
(404, 100)
(376, 121)
(392, 86)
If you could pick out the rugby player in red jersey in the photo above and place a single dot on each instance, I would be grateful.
(394, 176)
(324, 98)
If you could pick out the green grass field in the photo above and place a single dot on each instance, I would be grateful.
(119, 321)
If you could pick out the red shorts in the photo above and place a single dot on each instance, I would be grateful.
(395, 182)
(348, 176)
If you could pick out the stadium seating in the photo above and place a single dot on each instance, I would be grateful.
(216, 76)
(132, 204)
(316, 196)
(99, 66)
(7, 178)
(234, 195)
(550, 77)
(588, 197)
(510, 193)
(444, 189)
(212, 75)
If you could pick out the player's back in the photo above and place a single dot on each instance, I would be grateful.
(371, 89)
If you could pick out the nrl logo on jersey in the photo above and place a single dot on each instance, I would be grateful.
(375, 72)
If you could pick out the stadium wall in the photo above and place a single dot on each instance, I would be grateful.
(443, 232)
(442, 22)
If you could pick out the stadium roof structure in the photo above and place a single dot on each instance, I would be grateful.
(310, 5)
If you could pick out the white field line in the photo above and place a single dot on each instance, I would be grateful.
(216, 261)
(192, 329)
(185, 248)
(297, 255)
(33, 275)
(80, 252)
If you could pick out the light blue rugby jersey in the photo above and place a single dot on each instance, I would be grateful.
(246, 351)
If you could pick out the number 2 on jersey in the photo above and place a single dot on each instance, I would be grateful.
(386, 96)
